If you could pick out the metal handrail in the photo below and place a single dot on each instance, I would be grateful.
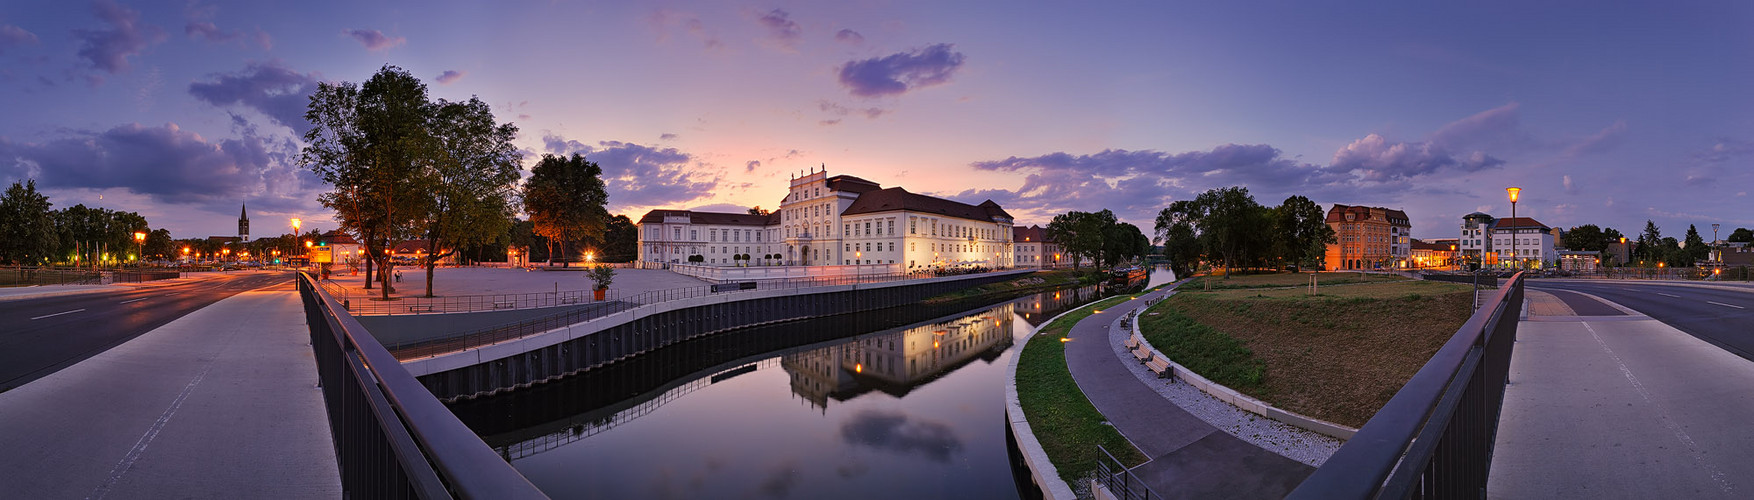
(1434, 437)
(392, 437)
(1120, 480)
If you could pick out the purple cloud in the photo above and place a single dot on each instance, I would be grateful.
(1483, 127)
(641, 176)
(1376, 159)
(450, 76)
(166, 163)
(109, 49)
(751, 165)
(898, 73)
(895, 432)
(850, 37)
(277, 92)
(212, 33)
(13, 36)
(781, 28)
(374, 40)
(667, 137)
(1600, 142)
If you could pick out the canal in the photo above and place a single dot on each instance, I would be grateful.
(899, 403)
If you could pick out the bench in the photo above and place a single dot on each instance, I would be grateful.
(1131, 343)
(504, 305)
(1142, 354)
(424, 308)
(1160, 366)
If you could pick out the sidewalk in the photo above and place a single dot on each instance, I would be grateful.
(1606, 404)
(1189, 458)
(221, 403)
(454, 281)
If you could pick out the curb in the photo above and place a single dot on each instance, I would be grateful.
(1239, 399)
(1041, 470)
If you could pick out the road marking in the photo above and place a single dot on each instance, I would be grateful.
(1725, 305)
(135, 300)
(151, 432)
(1668, 295)
(56, 314)
(1663, 415)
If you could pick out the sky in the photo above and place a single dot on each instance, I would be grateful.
(1603, 113)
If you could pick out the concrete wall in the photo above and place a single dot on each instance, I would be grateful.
(563, 351)
(722, 273)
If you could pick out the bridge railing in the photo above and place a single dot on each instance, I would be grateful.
(392, 438)
(1434, 438)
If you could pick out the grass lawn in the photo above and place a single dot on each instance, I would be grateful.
(1068, 427)
(1275, 280)
(1338, 356)
(1033, 281)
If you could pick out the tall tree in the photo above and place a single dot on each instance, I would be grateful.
(474, 180)
(1650, 244)
(621, 244)
(1301, 232)
(1177, 228)
(1586, 237)
(372, 144)
(565, 198)
(27, 225)
(1694, 247)
(1233, 225)
(1741, 234)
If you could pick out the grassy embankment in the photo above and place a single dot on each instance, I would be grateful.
(1068, 427)
(1037, 281)
(1337, 356)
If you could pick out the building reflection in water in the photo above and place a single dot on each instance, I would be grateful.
(897, 361)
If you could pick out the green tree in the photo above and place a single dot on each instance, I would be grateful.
(27, 225)
(621, 240)
(565, 199)
(159, 245)
(1741, 234)
(1081, 234)
(1301, 233)
(1650, 244)
(1233, 226)
(371, 142)
(474, 180)
(1177, 231)
(1694, 248)
(1587, 237)
(1123, 242)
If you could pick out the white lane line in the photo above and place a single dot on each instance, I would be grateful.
(57, 314)
(1663, 415)
(1725, 305)
(135, 300)
(1668, 295)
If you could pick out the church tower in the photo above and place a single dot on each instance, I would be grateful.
(243, 224)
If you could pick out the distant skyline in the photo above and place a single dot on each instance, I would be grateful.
(1604, 114)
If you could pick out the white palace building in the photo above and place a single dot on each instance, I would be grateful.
(836, 221)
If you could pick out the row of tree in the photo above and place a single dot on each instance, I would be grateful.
(33, 232)
(1098, 237)
(1228, 225)
(1651, 247)
(406, 167)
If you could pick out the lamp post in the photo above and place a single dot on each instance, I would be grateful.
(140, 245)
(1514, 256)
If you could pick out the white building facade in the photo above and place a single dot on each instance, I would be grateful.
(836, 221)
(1488, 241)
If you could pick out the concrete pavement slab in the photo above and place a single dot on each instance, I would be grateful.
(1623, 409)
(221, 403)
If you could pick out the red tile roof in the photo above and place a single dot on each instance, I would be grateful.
(743, 219)
(890, 199)
(1020, 234)
(1519, 223)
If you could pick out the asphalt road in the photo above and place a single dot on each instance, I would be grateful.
(40, 336)
(1725, 318)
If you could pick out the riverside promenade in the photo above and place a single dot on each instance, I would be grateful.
(1188, 457)
(1605, 402)
(221, 403)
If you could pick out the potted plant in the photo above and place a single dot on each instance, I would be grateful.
(602, 275)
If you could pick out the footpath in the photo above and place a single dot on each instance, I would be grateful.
(1189, 458)
(1605, 402)
(221, 403)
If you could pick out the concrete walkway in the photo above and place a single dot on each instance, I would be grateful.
(1608, 403)
(221, 403)
(1189, 457)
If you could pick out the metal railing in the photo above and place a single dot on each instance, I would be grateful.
(144, 276)
(1434, 438)
(595, 310)
(1119, 480)
(392, 438)
(27, 275)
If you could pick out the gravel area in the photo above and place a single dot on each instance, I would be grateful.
(1291, 442)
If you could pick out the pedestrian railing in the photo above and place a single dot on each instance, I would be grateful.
(392, 438)
(588, 311)
(1434, 438)
(144, 276)
(1120, 481)
(29, 275)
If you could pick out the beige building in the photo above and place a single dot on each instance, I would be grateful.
(1368, 238)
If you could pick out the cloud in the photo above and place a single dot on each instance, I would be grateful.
(837, 109)
(1376, 159)
(13, 36)
(642, 176)
(211, 32)
(167, 163)
(1724, 149)
(663, 21)
(781, 28)
(892, 431)
(751, 165)
(667, 136)
(1482, 127)
(850, 37)
(898, 73)
(374, 40)
(829, 123)
(450, 76)
(1569, 187)
(1600, 142)
(269, 88)
(109, 49)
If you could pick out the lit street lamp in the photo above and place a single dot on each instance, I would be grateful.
(140, 243)
(1516, 258)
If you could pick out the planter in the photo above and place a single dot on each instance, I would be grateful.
(601, 293)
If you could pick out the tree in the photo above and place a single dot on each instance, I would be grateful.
(371, 143)
(474, 180)
(1123, 242)
(757, 210)
(1301, 232)
(1741, 234)
(1650, 244)
(27, 225)
(1586, 237)
(621, 240)
(1694, 248)
(1176, 230)
(565, 198)
(1234, 225)
(1081, 234)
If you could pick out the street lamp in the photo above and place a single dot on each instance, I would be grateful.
(140, 243)
(1515, 257)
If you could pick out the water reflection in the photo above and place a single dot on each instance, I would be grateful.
(912, 407)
